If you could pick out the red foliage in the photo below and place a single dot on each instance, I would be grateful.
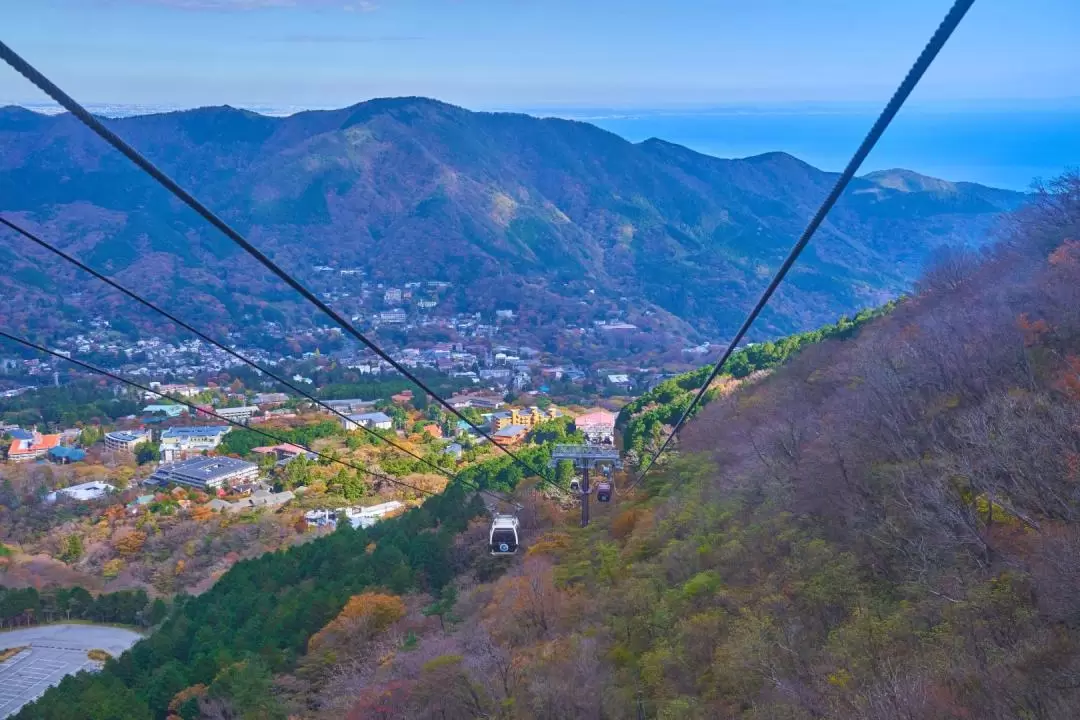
(384, 702)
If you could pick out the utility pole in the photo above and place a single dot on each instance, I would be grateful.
(585, 496)
(586, 458)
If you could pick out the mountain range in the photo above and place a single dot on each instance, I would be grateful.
(555, 218)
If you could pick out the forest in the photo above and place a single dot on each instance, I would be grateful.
(649, 418)
(62, 407)
(25, 606)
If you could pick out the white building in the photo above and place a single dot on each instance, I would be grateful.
(238, 414)
(179, 442)
(397, 315)
(83, 492)
(125, 440)
(372, 420)
(598, 426)
(358, 517)
(391, 296)
(206, 473)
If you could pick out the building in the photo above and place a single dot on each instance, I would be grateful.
(236, 414)
(510, 435)
(124, 441)
(372, 421)
(395, 316)
(454, 450)
(167, 410)
(358, 517)
(82, 493)
(598, 426)
(180, 442)
(351, 405)
(285, 453)
(391, 296)
(63, 455)
(529, 417)
(476, 400)
(261, 499)
(272, 398)
(403, 397)
(206, 473)
(30, 445)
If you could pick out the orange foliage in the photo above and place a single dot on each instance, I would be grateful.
(1068, 253)
(549, 544)
(529, 605)
(131, 543)
(186, 694)
(624, 523)
(367, 613)
(201, 513)
(1033, 330)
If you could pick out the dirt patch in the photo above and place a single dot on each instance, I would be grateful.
(9, 653)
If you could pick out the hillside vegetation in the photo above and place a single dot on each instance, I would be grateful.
(885, 528)
(222, 646)
(647, 420)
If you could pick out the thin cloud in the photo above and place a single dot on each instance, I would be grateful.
(350, 5)
(348, 39)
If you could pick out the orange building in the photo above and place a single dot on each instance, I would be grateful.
(28, 445)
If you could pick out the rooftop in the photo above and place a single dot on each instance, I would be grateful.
(378, 417)
(127, 436)
(36, 444)
(511, 431)
(195, 431)
(206, 468)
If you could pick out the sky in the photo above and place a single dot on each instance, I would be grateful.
(511, 54)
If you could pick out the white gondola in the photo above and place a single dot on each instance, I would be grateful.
(575, 486)
(503, 539)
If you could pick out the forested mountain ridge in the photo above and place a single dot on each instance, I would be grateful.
(515, 210)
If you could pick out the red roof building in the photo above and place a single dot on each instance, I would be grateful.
(36, 446)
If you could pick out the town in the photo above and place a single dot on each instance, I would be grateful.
(158, 468)
(604, 354)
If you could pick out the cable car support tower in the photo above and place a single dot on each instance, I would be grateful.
(585, 458)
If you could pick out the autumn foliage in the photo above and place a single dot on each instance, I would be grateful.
(363, 615)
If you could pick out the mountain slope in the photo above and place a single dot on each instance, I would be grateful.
(884, 528)
(515, 209)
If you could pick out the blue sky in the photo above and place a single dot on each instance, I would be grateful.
(533, 54)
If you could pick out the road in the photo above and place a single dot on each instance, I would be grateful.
(54, 651)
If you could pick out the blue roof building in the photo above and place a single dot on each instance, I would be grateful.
(65, 455)
(169, 410)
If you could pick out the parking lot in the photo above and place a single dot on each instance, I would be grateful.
(53, 652)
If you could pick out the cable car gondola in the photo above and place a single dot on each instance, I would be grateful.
(603, 491)
(503, 539)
